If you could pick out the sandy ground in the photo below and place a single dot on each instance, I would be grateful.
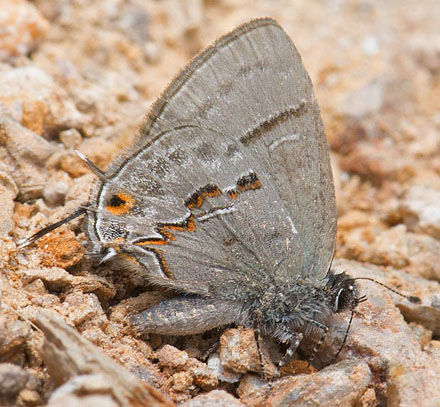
(82, 75)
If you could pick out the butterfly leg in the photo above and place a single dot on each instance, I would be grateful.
(324, 329)
(185, 315)
(294, 342)
(214, 347)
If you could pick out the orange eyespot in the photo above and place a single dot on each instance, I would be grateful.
(120, 203)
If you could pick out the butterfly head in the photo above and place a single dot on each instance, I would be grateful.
(344, 292)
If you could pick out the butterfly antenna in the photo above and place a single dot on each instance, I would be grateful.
(81, 211)
(93, 167)
(410, 298)
(47, 229)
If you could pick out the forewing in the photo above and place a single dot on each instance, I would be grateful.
(241, 130)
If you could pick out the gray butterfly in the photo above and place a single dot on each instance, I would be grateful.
(227, 197)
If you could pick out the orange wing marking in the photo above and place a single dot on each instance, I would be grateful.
(120, 203)
(245, 183)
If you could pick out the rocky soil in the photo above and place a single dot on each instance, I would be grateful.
(81, 75)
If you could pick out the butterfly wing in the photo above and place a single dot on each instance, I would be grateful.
(230, 179)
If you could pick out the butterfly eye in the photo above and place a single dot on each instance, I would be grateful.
(336, 306)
